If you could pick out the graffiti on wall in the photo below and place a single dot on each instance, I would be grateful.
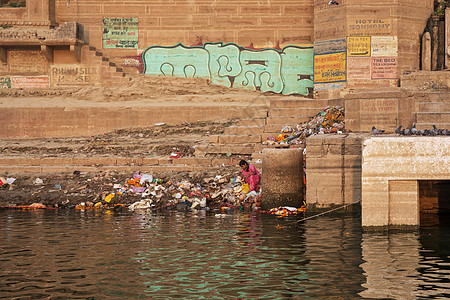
(120, 33)
(285, 71)
(5, 82)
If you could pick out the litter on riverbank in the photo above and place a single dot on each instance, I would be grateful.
(181, 191)
(330, 120)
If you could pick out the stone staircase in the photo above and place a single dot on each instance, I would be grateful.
(433, 110)
(246, 137)
(110, 74)
(431, 92)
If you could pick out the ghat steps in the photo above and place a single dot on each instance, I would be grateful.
(246, 137)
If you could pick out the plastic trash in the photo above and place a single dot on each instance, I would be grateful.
(109, 197)
(38, 181)
(10, 180)
(146, 178)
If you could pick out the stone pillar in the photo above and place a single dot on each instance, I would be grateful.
(282, 180)
(41, 11)
(426, 52)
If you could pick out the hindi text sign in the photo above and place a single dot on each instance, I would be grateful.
(330, 67)
(120, 33)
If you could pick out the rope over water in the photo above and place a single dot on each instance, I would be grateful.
(326, 212)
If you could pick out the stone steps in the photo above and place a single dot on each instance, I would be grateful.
(252, 122)
(110, 73)
(300, 112)
(14, 165)
(432, 117)
(287, 120)
(244, 130)
(235, 139)
(434, 106)
(430, 125)
(297, 103)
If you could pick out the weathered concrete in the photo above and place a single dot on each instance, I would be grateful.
(333, 169)
(391, 169)
(282, 183)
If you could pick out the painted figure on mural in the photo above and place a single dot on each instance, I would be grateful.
(250, 175)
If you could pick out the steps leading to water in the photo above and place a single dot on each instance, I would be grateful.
(246, 137)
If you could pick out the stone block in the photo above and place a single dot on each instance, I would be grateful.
(252, 122)
(150, 161)
(194, 161)
(214, 139)
(244, 130)
(282, 181)
(239, 139)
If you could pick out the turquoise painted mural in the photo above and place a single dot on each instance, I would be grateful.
(285, 71)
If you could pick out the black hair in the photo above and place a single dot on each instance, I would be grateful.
(243, 163)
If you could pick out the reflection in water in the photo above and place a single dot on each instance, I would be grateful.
(390, 267)
(70, 254)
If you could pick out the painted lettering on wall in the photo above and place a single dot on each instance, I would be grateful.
(5, 82)
(285, 71)
(30, 82)
(358, 46)
(384, 46)
(330, 67)
(120, 33)
(73, 75)
(369, 26)
(359, 68)
(384, 67)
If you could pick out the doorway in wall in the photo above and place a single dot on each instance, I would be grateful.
(434, 202)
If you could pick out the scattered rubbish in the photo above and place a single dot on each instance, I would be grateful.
(109, 197)
(330, 120)
(10, 180)
(37, 205)
(175, 155)
(285, 211)
(38, 181)
(160, 124)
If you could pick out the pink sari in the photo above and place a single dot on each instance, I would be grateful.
(252, 180)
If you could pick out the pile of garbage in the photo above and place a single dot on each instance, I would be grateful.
(221, 191)
(329, 120)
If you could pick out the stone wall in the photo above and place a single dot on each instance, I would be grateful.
(169, 22)
(380, 40)
(333, 169)
(391, 170)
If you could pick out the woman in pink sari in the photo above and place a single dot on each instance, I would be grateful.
(251, 175)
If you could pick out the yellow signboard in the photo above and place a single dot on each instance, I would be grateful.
(330, 67)
(358, 46)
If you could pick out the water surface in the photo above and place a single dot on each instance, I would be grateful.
(62, 254)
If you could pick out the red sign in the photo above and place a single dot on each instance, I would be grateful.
(30, 82)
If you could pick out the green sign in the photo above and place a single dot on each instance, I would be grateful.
(120, 33)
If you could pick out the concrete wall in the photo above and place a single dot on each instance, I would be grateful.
(391, 169)
(333, 169)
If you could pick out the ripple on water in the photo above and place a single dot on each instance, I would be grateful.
(78, 255)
